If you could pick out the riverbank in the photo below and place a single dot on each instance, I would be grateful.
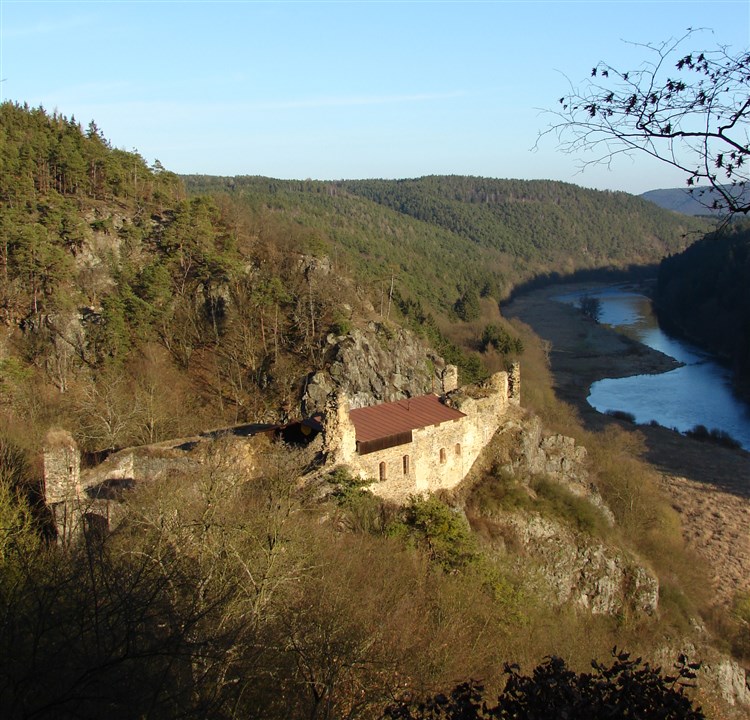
(709, 485)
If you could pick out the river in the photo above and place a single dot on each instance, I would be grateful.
(697, 393)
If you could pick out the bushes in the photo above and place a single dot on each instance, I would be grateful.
(622, 415)
(741, 634)
(555, 499)
(591, 307)
(500, 492)
(719, 437)
(625, 689)
(443, 532)
(501, 340)
(361, 510)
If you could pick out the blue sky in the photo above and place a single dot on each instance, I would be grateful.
(334, 90)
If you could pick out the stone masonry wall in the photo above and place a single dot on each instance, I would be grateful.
(439, 456)
(62, 484)
(62, 467)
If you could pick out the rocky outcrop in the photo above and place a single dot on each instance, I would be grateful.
(731, 681)
(572, 567)
(525, 451)
(720, 677)
(383, 363)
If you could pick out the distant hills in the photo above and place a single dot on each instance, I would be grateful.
(444, 236)
(682, 200)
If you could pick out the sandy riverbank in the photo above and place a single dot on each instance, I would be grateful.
(708, 485)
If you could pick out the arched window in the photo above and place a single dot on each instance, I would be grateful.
(458, 449)
(442, 455)
(405, 460)
(383, 471)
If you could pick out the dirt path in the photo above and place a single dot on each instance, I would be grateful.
(708, 485)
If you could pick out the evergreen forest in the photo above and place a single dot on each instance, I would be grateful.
(704, 294)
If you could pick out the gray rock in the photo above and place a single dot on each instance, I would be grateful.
(579, 569)
(556, 457)
(382, 363)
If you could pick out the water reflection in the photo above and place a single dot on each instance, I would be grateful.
(698, 393)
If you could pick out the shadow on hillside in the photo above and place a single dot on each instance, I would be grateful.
(631, 273)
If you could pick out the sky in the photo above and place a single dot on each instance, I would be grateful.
(339, 90)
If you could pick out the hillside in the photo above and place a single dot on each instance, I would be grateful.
(703, 293)
(682, 200)
(119, 291)
(253, 581)
(443, 237)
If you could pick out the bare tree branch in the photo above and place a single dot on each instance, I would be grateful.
(689, 110)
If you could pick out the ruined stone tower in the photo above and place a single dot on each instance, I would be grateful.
(514, 384)
(340, 440)
(62, 483)
(450, 379)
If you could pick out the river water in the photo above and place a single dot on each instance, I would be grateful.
(698, 393)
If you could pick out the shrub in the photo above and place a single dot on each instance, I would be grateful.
(467, 306)
(500, 491)
(591, 307)
(622, 415)
(719, 437)
(625, 689)
(442, 531)
(741, 612)
(500, 339)
(556, 499)
(341, 324)
(362, 511)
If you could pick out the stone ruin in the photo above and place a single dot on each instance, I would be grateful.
(62, 484)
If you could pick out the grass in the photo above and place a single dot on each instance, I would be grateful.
(556, 500)
(501, 491)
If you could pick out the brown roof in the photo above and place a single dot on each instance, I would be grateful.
(392, 418)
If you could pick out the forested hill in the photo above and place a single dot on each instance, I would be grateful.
(536, 220)
(119, 292)
(704, 293)
(118, 288)
(444, 235)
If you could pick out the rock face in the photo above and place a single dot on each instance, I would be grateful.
(720, 677)
(731, 681)
(527, 451)
(579, 569)
(571, 565)
(381, 364)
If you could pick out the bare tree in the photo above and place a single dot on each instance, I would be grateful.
(689, 109)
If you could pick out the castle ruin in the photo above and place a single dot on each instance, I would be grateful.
(410, 446)
(420, 444)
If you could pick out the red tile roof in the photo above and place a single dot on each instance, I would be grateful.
(379, 421)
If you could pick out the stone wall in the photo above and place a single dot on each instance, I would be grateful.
(62, 467)
(438, 457)
(140, 463)
(62, 484)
